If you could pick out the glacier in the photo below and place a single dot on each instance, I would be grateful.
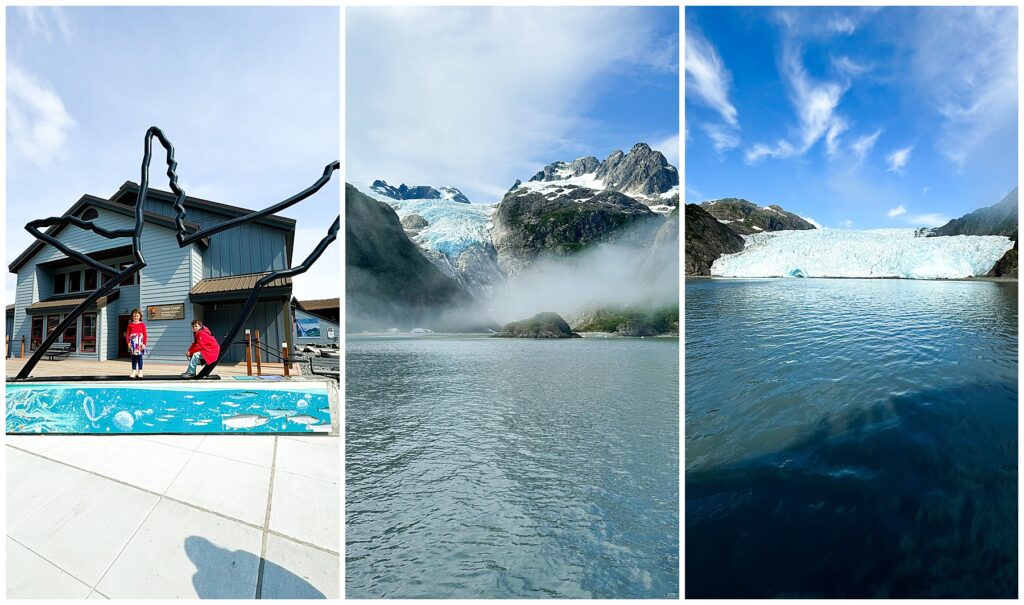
(872, 253)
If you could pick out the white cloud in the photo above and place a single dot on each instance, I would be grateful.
(862, 145)
(848, 66)
(847, 223)
(669, 147)
(925, 190)
(473, 97)
(706, 76)
(44, 20)
(965, 60)
(812, 221)
(37, 122)
(932, 219)
(815, 104)
(836, 128)
(782, 149)
(899, 158)
(722, 138)
(841, 24)
(898, 210)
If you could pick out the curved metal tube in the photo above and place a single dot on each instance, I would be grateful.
(135, 233)
(184, 238)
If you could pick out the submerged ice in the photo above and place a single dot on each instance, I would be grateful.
(872, 253)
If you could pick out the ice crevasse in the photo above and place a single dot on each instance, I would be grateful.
(872, 253)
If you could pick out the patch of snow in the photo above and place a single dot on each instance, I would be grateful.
(756, 227)
(872, 253)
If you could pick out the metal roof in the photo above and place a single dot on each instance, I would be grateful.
(236, 284)
(320, 303)
(63, 302)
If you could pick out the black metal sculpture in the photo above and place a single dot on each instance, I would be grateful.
(184, 238)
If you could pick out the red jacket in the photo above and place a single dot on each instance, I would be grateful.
(204, 342)
(133, 329)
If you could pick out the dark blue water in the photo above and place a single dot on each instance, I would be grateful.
(498, 468)
(851, 438)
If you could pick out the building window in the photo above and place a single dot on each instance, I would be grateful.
(59, 281)
(71, 335)
(90, 279)
(51, 323)
(90, 214)
(37, 331)
(131, 280)
(75, 281)
(88, 332)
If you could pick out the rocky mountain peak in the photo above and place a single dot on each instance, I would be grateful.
(418, 192)
(745, 217)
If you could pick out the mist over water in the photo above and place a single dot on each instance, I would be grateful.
(608, 275)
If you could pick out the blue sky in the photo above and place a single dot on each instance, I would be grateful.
(248, 96)
(855, 117)
(477, 97)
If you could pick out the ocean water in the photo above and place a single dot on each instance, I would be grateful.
(193, 407)
(483, 467)
(851, 438)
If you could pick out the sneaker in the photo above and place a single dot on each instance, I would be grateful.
(187, 375)
(132, 375)
(140, 374)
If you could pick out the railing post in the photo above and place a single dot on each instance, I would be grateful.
(23, 347)
(284, 356)
(256, 347)
(7, 344)
(248, 354)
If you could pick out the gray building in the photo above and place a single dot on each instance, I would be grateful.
(208, 280)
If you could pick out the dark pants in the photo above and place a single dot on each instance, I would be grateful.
(136, 359)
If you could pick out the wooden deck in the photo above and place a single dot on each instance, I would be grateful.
(80, 367)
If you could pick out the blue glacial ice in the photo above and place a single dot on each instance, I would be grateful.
(872, 253)
(453, 228)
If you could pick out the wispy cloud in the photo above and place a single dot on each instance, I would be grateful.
(845, 65)
(931, 219)
(37, 122)
(722, 137)
(44, 21)
(965, 59)
(475, 96)
(841, 24)
(862, 145)
(898, 210)
(846, 223)
(782, 149)
(669, 147)
(815, 103)
(899, 158)
(707, 78)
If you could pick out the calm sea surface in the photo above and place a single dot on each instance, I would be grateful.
(851, 438)
(482, 467)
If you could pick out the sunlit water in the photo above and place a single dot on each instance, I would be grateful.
(851, 438)
(483, 467)
(206, 407)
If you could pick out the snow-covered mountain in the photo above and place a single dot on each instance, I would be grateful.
(873, 253)
(418, 192)
(643, 174)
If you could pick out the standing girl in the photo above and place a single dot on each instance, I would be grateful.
(136, 337)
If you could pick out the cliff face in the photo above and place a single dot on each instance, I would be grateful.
(746, 218)
(529, 224)
(997, 219)
(706, 240)
(386, 276)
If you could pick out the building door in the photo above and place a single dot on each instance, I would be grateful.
(122, 329)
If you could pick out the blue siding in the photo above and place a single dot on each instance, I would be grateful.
(166, 280)
(267, 317)
(251, 248)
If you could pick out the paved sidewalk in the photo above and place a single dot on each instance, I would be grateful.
(173, 516)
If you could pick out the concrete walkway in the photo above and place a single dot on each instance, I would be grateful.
(173, 516)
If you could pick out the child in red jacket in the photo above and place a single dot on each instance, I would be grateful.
(136, 337)
(204, 348)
